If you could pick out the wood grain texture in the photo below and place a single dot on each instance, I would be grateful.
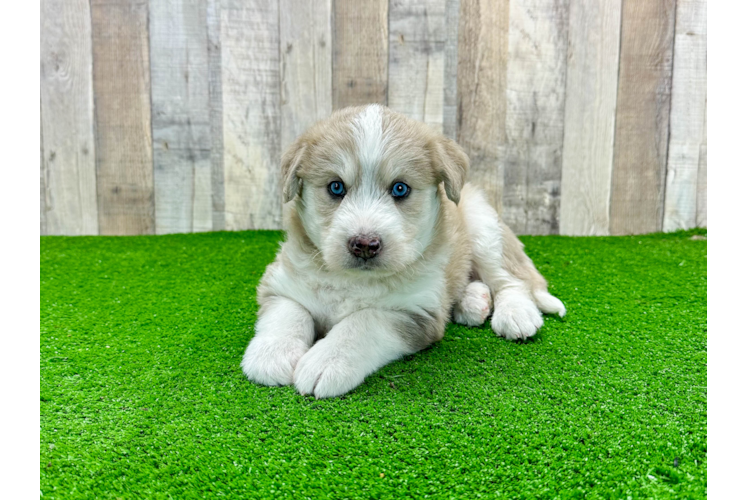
(589, 116)
(121, 81)
(306, 65)
(359, 66)
(701, 182)
(251, 114)
(711, 187)
(416, 60)
(42, 179)
(637, 195)
(481, 91)
(68, 165)
(216, 113)
(452, 31)
(180, 110)
(687, 105)
(536, 82)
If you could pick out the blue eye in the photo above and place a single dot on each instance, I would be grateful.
(336, 188)
(400, 190)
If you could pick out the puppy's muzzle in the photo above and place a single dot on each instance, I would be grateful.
(364, 247)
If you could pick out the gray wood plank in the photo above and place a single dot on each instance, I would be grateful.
(359, 67)
(67, 119)
(451, 28)
(701, 182)
(637, 195)
(536, 82)
(589, 116)
(121, 82)
(216, 113)
(686, 115)
(180, 110)
(481, 91)
(42, 179)
(306, 65)
(416, 60)
(251, 114)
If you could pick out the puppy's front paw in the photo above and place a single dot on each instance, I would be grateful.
(474, 306)
(326, 372)
(271, 361)
(515, 316)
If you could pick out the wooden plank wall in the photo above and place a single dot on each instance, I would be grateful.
(482, 48)
(68, 153)
(642, 116)
(531, 155)
(180, 108)
(582, 117)
(687, 128)
(589, 116)
(359, 53)
(306, 65)
(122, 90)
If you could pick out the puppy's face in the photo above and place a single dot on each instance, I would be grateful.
(366, 186)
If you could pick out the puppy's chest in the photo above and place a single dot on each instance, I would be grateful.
(329, 300)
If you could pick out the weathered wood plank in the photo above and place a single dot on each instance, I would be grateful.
(589, 116)
(701, 182)
(67, 119)
(536, 81)
(121, 81)
(216, 113)
(42, 179)
(712, 191)
(359, 66)
(481, 91)
(416, 60)
(251, 114)
(637, 195)
(181, 116)
(306, 65)
(451, 28)
(686, 115)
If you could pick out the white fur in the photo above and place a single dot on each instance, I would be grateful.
(367, 130)
(357, 346)
(283, 334)
(474, 306)
(358, 315)
(515, 316)
(548, 303)
(344, 293)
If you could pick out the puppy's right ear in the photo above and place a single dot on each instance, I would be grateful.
(451, 164)
(289, 170)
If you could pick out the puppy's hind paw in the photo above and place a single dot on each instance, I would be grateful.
(515, 316)
(474, 306)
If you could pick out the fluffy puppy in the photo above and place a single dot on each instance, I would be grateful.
(383, 245)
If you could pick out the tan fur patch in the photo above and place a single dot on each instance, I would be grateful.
(518, 263)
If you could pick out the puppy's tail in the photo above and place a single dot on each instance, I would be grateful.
(547, 303)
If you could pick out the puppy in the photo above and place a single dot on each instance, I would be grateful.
(383, 245)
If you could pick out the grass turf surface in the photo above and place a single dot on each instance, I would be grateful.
(142, 395)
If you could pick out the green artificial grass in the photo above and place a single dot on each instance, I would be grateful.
(142, 395)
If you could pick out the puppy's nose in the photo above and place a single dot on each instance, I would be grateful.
(365, 247)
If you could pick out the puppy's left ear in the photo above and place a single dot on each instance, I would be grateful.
(289, 170)
(451, 164)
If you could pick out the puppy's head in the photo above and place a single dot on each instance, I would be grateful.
(366, 187)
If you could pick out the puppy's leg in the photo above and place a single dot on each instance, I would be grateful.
(474, 306)
(358, 346)
(520, 292)
(284, 332)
